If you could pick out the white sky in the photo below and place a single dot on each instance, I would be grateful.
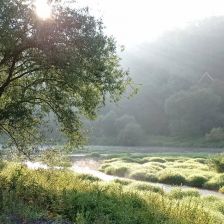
(135, 21)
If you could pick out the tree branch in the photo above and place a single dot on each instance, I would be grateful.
(10, 74)
(14, 141)
(23, 74)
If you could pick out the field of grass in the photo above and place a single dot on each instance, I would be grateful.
(58, 195)
(193, 151)
(169, 169)
(170, 141)
(173, 141)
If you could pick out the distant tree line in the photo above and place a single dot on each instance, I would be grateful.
(181, 90)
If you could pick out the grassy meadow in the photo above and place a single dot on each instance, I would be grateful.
(191, 169)
(65, 197)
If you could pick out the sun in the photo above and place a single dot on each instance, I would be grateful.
(43, 9)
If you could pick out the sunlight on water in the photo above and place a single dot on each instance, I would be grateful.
(75, 168)
(87, 167)
(36, 165)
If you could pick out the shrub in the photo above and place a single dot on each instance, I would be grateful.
(143, 160)
(201, 160)
(2, 164)
(217, 162)
(157, 159)
(122, 182)
(197, 180)
(54, 157)
(221, 190)
(143, 176)
(215, 183)
(172, 178)
(178, 193)
(104, 166)
(59, 193)
(130, 160)
(109, 170)
(147, 187)
(157, 165)
(88, 177)
(121, 171)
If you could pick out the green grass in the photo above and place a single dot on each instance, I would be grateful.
(178, 193)
(156, 151)
(62, 195)
(173, 170)
(171, 141)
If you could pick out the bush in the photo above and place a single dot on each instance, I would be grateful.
(172, 178)
(104, 166)
(143, 176)
(121, 171)
(157, 159)
(215, 183)
(217, 162)
(201, 160)
(88, 177)
(135, 160)
(147, 187)
(216, 134)
(221, 190)
(197, 181)
(157, 165)
(178, 193)
(59, 193)
(122, 182)
(2, 164)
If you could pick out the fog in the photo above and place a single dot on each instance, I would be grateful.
(174, 53)
(133, 22)
(181, 94)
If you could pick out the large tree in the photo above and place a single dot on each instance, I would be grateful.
(65, 65)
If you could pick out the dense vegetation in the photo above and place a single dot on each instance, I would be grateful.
(65, 65)
(174, 170)
(60, 195)
(181, 94)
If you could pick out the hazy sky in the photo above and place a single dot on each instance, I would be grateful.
(135, 21)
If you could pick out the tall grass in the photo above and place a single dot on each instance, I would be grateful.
(195, 172)
(59, 194)
(217, 162)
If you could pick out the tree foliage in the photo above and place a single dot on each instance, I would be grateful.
(193, 112)
(65, 65)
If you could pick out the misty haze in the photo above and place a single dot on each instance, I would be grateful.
(111, 112)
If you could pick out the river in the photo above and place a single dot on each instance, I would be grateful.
(90, 166)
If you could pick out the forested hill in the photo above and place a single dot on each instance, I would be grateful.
(181, 91)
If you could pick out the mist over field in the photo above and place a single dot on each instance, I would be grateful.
(180, 97)
(180, 80)
(111, 112)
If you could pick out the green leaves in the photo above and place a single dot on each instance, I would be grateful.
(66, 65)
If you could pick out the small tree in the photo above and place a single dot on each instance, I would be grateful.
(217, 162)
(65, 64)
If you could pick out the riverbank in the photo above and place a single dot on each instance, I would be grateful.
(78, 198)
(156, 150)
(91, 166)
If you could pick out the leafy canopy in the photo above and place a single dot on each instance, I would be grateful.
(65, 65)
